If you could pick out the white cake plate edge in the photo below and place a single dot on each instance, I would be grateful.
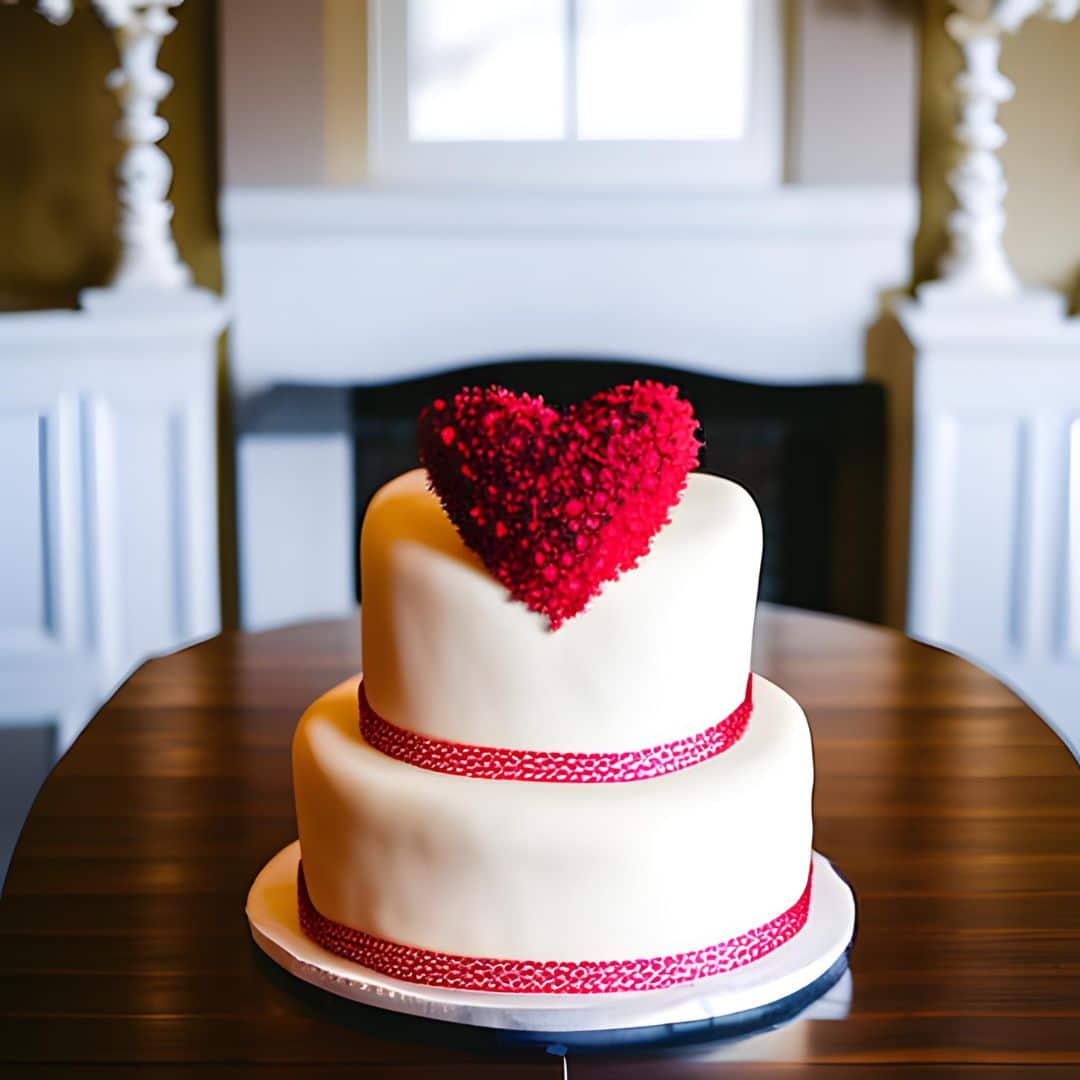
(830, 926)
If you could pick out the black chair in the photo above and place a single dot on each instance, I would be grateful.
(812, 456)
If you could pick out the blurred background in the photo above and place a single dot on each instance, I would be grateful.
(224, 298)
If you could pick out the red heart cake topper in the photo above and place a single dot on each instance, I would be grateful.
(556, 504)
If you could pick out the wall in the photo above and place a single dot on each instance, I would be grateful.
(1041, 157)
(294, 87)
(853, 75)
(56, 192)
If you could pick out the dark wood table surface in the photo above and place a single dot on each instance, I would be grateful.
(951, 808)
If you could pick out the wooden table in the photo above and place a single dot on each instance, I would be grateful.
(950, 807)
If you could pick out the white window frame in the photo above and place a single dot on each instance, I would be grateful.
(755, 160)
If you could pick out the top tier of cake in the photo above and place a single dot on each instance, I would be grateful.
(662, 653)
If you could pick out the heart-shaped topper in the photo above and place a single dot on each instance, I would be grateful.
(556, 504)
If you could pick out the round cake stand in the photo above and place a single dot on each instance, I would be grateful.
(761, 994)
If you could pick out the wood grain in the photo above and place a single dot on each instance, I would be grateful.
(949, 805)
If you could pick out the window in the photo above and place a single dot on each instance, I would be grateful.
(602, 92)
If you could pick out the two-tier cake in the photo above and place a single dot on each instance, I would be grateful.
(557, 773)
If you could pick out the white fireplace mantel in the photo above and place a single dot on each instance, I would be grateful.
(348, 287)
(365, 284)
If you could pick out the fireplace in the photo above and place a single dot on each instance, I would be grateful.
(349, 308)
(812, 457)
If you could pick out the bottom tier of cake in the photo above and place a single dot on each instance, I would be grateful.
(546, 872)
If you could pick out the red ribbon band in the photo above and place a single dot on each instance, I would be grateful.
(431, 968)
(551, 766)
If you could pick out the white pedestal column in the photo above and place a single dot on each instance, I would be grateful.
(108, 473)
(995, 533)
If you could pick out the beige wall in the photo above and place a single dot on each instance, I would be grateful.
(851, 100)
(57, 156)
(272, 92)
(294, 91)
(1041, 157)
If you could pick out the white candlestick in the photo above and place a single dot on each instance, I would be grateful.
(148, 254)
(975, 265)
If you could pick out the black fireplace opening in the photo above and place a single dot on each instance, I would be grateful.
(812, 456)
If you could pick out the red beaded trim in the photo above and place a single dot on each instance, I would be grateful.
(551, 766)
(548, 976)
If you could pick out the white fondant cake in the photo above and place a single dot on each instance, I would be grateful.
(660, 653)
(534, 871)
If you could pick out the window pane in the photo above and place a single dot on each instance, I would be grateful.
(487, 69)
(662, 69)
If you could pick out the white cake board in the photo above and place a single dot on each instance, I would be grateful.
(794, 966)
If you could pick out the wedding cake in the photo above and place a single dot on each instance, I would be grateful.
(556, 773)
